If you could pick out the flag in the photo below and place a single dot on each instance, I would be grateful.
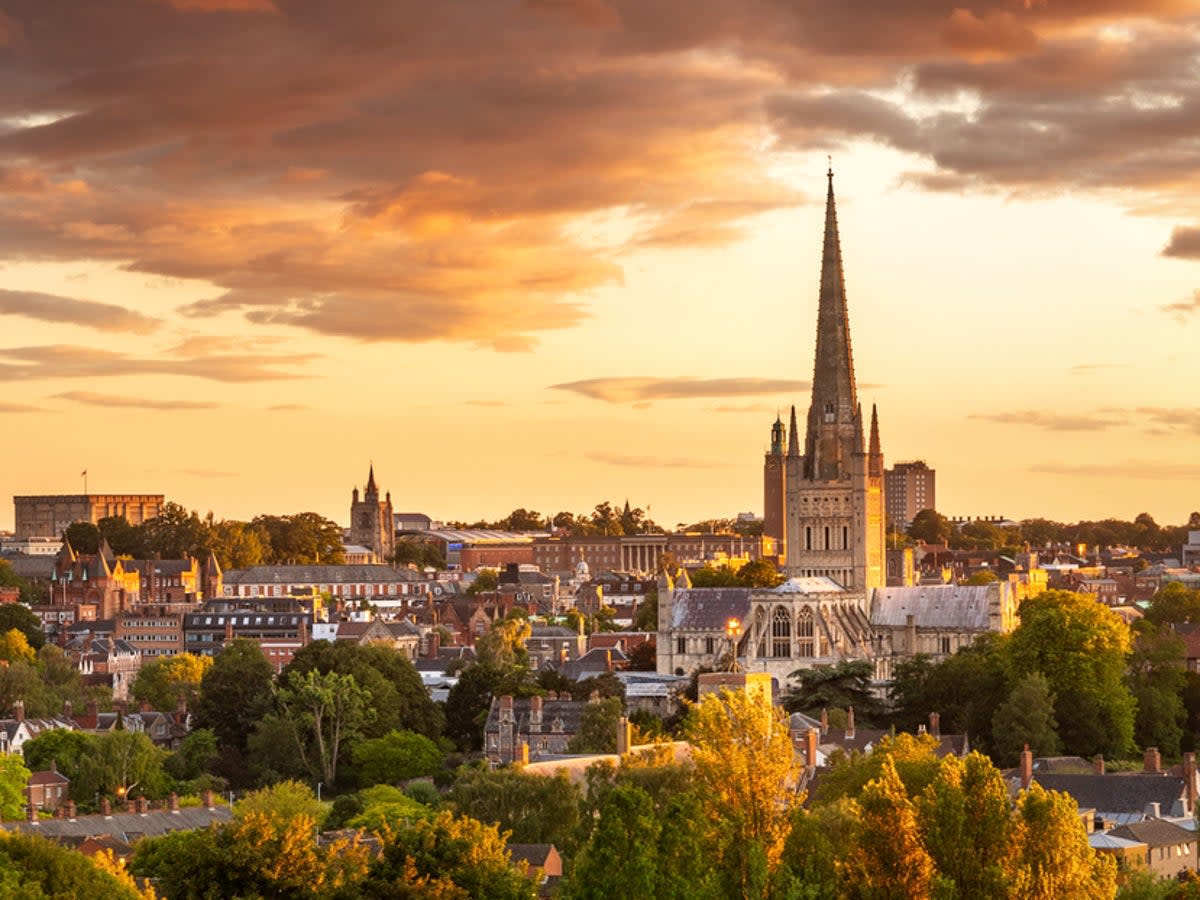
(83, 474)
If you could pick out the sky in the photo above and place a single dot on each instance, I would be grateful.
(545, 253)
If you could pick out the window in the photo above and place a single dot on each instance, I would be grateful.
(804, 631)
(781, 633)
(945, 645)
(681, 645)
(710, 645)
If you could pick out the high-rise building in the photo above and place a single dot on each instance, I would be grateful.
(372, 520)
(833, 481)
(909, 488)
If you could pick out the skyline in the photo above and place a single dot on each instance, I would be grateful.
(551, 253)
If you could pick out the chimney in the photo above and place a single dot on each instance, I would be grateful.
(1098, 764)
(174, 802)
(143, 805)
(206, 797)
(1189, 776)
(1153, 811)
(608, 660)
(506, 708)
(130, 805)
(18, 710)
(93, 714)
(1026, 768)
(71, 810)
(811, 738)
(535, 714)
(181, 709)
(824, 720)
(624, 736)
(551, 695)
(850, 722)
(144, 706)
(30, 809)
(435, 643)
(935, 724)
(105, 807)
(1152, 761)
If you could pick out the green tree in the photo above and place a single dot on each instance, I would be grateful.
(284, 801)
(329, 709)
(13, 778)
(1026, 718)
(445, 859)
(1051, 857)
(485, 580)
(235, 693)
(384, 809)
(302, 539)
(20, 616)
(1158, 683)
(195, 756)
(175, 532)
(1081, 647)
(120, 764)
(239, 545)
(66, 749)
(84, 537)
(14, 647)
(840, 686)
(46, 870)
(621, 858)
(123, 538)
(396, 756)
(504, 643)
(930, 527)
(914, 757)
(533, 808)
(423, 554)
(1174, 604)
(161, 681)
(470, 699)
(598, 727)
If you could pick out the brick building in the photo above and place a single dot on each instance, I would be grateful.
(48, 515)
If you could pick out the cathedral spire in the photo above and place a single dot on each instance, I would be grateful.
(793, 436)
(371, 488)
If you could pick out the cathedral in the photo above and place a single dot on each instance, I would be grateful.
(823, 497)
(372, 522)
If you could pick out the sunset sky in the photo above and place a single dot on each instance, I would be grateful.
(545, 253)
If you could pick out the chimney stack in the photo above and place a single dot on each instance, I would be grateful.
(624, 736)
(143, 805)
(935, 724)
(1026, 768)
(1189, 776)
(174, 807)
(1152, 761)
(30, 809)
(71, 810)
(811, 739)
(18, 710)
(1098, 764)
(206, 797)
(535, 714)
(105, 807)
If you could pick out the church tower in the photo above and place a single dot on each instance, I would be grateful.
(834, 480)
(372, 522)
(775, 489)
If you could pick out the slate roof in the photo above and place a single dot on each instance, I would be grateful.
(35, 567)
(1117, 793)
(1104, 840)
(951, 606)
(355, 574)
(568, 712)
(1154, 833)
(809, 585)
(124, 826)
(708, 609)
(534, 854)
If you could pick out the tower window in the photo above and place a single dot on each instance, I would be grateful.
(781, 633)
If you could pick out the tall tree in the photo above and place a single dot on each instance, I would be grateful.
(163, 680)
(1051, 857)
(533, 808)
(329, 709)
(235, 693)
(841, 686)
(1026, 718)
(620, 859)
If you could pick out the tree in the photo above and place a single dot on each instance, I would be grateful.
(1081, 647)
(1051, 857)
(504, 643)
(1158, 683)
(302, 539)
(744, 762)
(84, 537)
(1174, 604)
(20, 616)
(840, 686)
(930, 527)
(914, 758)
(446, 858)
(235, 692)
(120, 761)
(13, 778)
(470, 699)
(328, 709)
(163, 680)
(397, 756)
(888, 858)
(384, 809)
(239, 545)
(123, 538)
(598, 727)
(485, 580)
(533, 808)
(284, 801)
(175, 532)
(620, 859)
(66, 749)
(14, 647)
(195, 756)
(45, 870)
(423, 554)
(1026, 718)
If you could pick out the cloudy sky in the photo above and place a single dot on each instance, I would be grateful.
(544, 253)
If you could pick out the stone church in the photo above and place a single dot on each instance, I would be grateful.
(823, 494)
(372, 522)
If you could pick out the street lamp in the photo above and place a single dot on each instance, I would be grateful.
(733, 631)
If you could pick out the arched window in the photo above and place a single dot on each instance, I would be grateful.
(781, 633)
(807, 537)
(845, 537)
(804, 631)
(828, 546)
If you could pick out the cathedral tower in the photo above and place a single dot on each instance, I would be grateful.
(775, 489)
(834, 483)
(372, 522)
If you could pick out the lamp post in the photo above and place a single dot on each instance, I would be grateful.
(733, 631)
(318, 791)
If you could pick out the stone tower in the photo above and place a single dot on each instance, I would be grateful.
(372, 522)
(834, 481)
(775, 489)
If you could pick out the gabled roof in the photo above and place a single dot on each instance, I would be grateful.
(1154, 833)
(1117, 793)
(708, 609)
(125, 826)
(48, 776)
